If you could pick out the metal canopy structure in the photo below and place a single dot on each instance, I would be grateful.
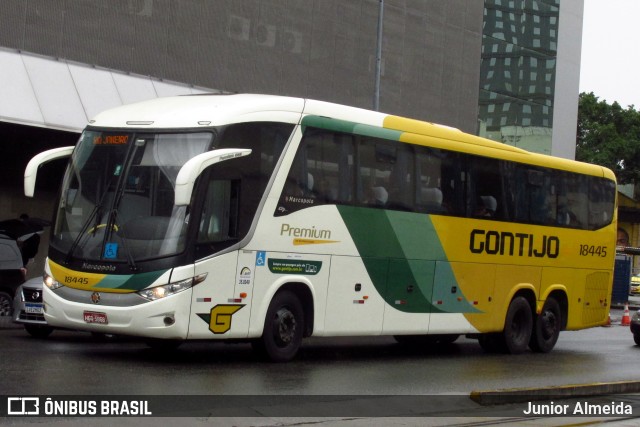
(64, 95)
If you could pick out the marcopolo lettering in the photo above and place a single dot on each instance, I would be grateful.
(97, 267)
(493, 242)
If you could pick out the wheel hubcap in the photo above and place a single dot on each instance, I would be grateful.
(5, 307)
(286, 323)
(518, 327)
(548, 324)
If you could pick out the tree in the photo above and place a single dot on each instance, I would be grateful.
(609, 135)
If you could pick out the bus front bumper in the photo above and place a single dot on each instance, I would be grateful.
(166, 318)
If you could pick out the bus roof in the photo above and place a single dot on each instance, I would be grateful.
(203, 110)
(189, 111)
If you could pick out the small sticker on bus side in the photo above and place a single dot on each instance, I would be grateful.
(261, 257)
(285, 266)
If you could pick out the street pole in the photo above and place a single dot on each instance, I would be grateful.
(376, 96)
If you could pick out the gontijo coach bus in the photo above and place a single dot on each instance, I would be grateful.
(270, 219)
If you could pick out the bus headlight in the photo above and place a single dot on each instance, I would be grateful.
(50, 282)
(163, 291)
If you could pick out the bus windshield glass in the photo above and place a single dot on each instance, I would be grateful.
(117, 200)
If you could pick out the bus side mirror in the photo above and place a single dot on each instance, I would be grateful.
(31, 171)
(194, 167)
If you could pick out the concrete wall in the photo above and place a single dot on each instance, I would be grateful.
(323, 49)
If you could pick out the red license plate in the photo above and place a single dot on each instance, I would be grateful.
(94, 317)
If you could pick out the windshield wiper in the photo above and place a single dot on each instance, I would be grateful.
(112, 222)
(85, 227)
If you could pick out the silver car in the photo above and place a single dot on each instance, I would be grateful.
(28, 308)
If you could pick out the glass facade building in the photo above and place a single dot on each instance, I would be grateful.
(518, 72)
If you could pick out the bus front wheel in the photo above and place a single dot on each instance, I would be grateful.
(518, 326)
(283, 328)
(547, 327)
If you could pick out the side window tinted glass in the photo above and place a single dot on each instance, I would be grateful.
(439, 182)
(573, 200)
(601, 202)
(322, 172)
(484, 188)
(376, 161)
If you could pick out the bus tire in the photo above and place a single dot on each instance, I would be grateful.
(518, 326)
(547, 327)
(283, 328)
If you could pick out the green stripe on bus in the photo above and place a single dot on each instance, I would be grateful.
(350, 127)
(132, 282)
(404, 258)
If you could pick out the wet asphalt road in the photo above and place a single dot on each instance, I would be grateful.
(76, 363)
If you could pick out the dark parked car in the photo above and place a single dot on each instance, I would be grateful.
(12, 273)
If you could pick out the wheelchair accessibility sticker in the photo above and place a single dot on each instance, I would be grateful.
(261, 259)
(111, 251)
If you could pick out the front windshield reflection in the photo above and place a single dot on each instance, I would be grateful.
(117, 202)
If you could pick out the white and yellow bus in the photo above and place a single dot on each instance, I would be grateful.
(271, 219)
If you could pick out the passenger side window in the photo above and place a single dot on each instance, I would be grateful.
(484, 188)
(601, 202)
(219, 220)
(439, 185)
(573, 200)
(535, 195)
(322, 172)
(375, 160)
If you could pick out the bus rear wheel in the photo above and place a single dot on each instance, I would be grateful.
(515, 337)
(547, 327)
(518, 326)
(283, 328)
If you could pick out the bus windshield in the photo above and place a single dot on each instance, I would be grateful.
(117, 200)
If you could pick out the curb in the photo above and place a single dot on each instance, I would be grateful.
(505, 396)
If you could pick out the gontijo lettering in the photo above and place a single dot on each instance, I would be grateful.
(513, 244)
(313, 232)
